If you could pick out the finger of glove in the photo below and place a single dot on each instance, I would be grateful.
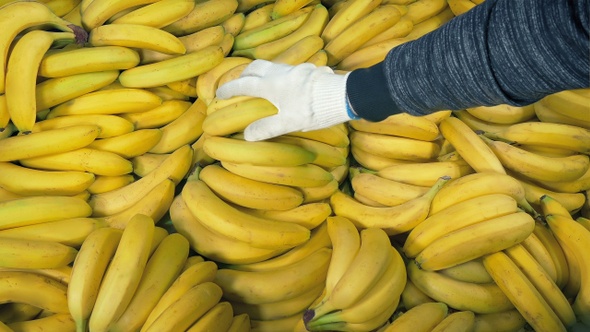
(243, 86)
(266, 128)
(258, 68)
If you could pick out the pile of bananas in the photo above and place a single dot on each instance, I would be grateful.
(130, 201)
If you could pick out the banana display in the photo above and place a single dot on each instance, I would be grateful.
(130, 201)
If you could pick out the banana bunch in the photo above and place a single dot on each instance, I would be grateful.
(432, 316)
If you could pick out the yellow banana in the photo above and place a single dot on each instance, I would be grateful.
(376, 320)
(537, 249)
(96, 13)
(87, 272)
(421, 10)
(193, 276)
(208, 82)
(308, 215)
(305, 175)
(34, 289)
(39, 209)
(204, 14)
(395, 147)
(477, 124)
(425, 174)
(28, 182)
(178, 68)
(67, 62)
(546, 114)
(285, 283)
(319, 194)
(335, 135)
(249, 193)
(158, 116)
(319, 58)
(460, 295)
(131, 144)
(510, 320)
(119, 283)
(34, 254)
(74, 15)
(218, 318)
(467, 213)
(429, 24)
(402, 124)
(461, 6)
(162, 268)
(240, 323)
(53, 322)
(421, 318)
(136, 36)
(147, 162)
(214, 246)
(70, 232)
(372, 161)
(519, 289)
(569, 103)
(109, 125)
(21, 75)
(399, 30)
(300, 51)
(223, 218)
(450, 249)
(470, 271)
(234, 24)
(457, 321)
(83, 160)
(533, 193)
(545, 236)
(231, 75)
(188, 309)
(158, 14)
(237, 115)
(503, 113)
(393, 219)
(370, 55)
(384, 191)
(257, 16)
(470, 146)
(412, 296)
(174, 167)
(578, 185)
(282, 324)
(17, 312)
(350, 12)
(183, 130)
(283, 8)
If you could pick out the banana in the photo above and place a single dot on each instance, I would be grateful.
(184, 130)
(283, 8)
(35, 254)
(14, 22)
(450, 250)
(533, 193)
(326, 155)
(17, 312)
(569, 103)
(393, 219)
(421, 10)
(109, 125)
(402, 124)
(313, 25)
(382, 294)
(305, 175)
(308, 215)
(67, 62)
(543, 283)
(384, 191)
(234, 24)
(237, 115)
(503, 113)
(249, 193)
(371, 323)
(214, 246)
(54, 91)
(350, 12)
(282, 324)
(96, 13)
(319, 194)
(470, 146)
(21, 74)
(574, 237)
(546, 114)
(131, 144)
(87, 273)
(395, 147)
(430, 24)
(174, 167)
(399, 30)
(75, 15)
(519, 289)
(162, 268)
(119, 283)
(550, 205)
(363, 272)
(4, 115)
(300, 51)
(584, 222)
(412, 296)
(240, 323)
(39, 209)
(460, 6)
(272, 30)
(510, 320)
(231, 74)
(70, 232)
(218, 318)
(153, 204)
(479, 298)
(158, 14)
(421, 318)
(193, 276)
(544, 150)
(204, 14)
(33, 289)
(83, 160)
(53, 322)
(269, 153)
(370, 55)
(61, 7)
(319, 58)
(477, 124)
(318, 239)
(466, 213)
(372, 161)
(470, 271)
(547, 134)
(158, 116)
(222, 218)
(208, 82)
(188, 309)
(61, 274)
(360, 31)
(178, 68)
(257, 16)
(336, 135)
(457, 321)
(40, 182)
(136, 36)
(254, 287)
(544, 235)
(425, 174)
(192, 260)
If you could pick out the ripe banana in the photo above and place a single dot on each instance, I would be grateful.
(204, 14)
(384, 191)
(208, 82)
(96, 13)
(395, 147)
(257, 16)
(470, 271)
(240, 323)
(305, 175)
(119, 283)
(402, 124)
(131, 144)
(319, 194)
(533, 193)
(109, 125)
(234, 24)
(39, 209)
(326, 155)
(335, 135)
(510, 320)
(393, 219)
(249, 193)
(470, 146)
(236, 116)
(466, 213)
(460, 6)
(33, 289)
(372, 161)
(546, 237)
(183, 130)
(350, 12)
(421, 318)
(367, 56)
(569, 103)
(34, 254)
(503, 113)
(460, 295)
(519, 289)
(136, 36)
(87, 272)
(222, 218)
(158, 116)
(174, 167)
(218, 318)
(399, 30)
(546, 114)
(319, 58)
(301, 51)
(475, 241)
(308, 215)
(158, 14)
(477, 124)
(283, 8)
(254, 287)
(53, 322)
(175, 69)
(425, 174)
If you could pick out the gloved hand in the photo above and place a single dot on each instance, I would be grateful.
(307, 97)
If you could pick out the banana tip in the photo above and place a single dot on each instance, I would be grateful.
(80, 33)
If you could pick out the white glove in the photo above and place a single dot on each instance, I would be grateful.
(307, 97)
